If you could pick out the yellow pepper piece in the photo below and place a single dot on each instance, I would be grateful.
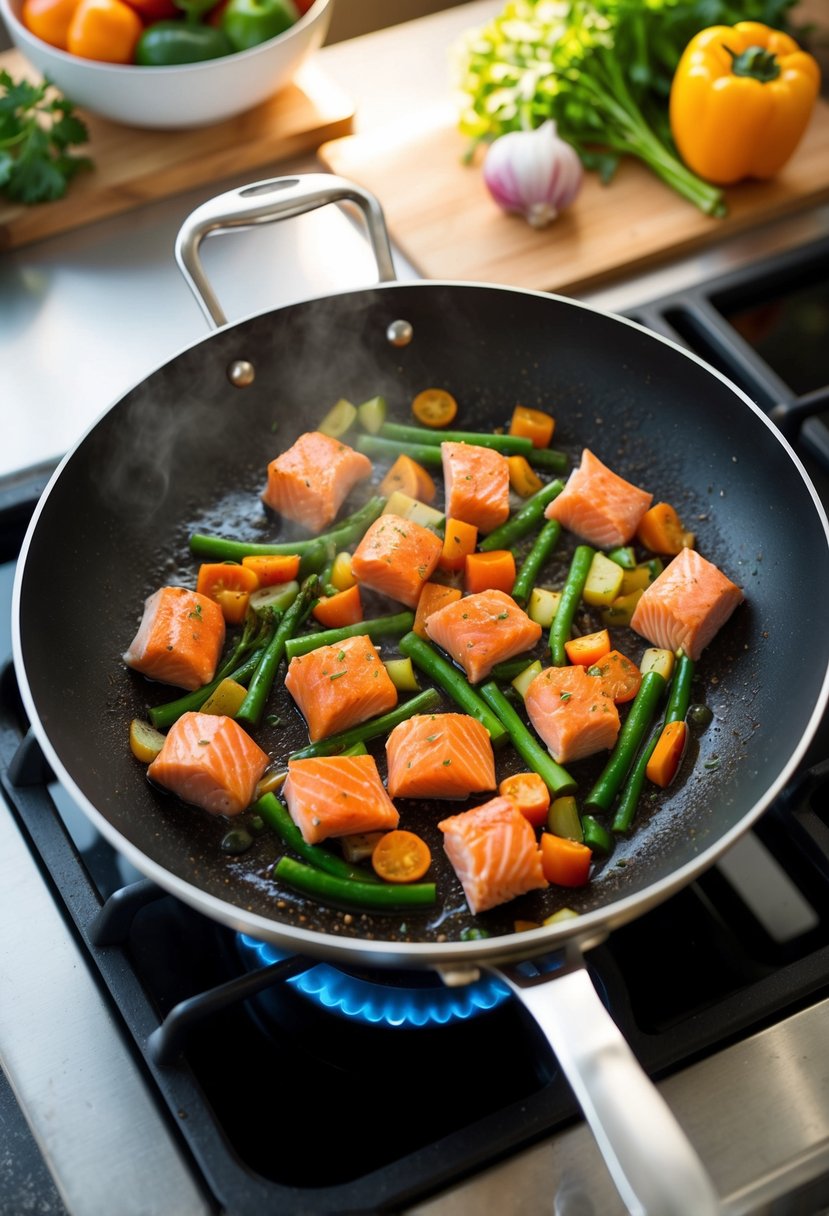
(522, 477)
(225, 698)
(741, 99)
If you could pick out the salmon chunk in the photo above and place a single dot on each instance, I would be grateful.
(571, 713)
(179, 640)
(439, 756)
(494, 852)
(209, 761)
(311, 480)
(396, 558)
(481, 630)
(476, 480)
(685, 606)
(598, 505)
(337, 796)
(335, 687)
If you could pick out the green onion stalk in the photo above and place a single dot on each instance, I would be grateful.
(595, 67)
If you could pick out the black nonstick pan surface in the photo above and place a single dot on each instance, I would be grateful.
(185, 450)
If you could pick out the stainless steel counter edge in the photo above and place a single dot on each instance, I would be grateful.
(756, 1112)
(61, 1050)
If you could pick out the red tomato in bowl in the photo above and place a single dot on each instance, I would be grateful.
(155, 10)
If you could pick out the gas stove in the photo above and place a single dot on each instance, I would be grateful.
(154, 1061)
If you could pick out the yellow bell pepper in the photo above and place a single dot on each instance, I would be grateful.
(741, 99)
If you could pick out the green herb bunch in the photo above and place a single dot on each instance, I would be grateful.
(601, 69)
(38, 128)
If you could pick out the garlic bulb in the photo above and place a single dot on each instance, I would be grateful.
(533, 172)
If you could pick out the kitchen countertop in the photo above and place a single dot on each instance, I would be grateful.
(87, 314)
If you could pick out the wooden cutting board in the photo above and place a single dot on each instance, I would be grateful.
(134, 166)
(443, 220)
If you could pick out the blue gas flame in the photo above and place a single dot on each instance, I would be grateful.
(377, 1003)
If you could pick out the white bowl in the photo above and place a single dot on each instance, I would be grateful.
(189, 95)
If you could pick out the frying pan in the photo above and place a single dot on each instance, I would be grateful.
(185, 450)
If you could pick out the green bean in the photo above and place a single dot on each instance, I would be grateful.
(506, 672)
(624, 556)
(524, 520)
(377, 446)
(162, 716)
(549, 459)
(452, 681)
(511, 445)
(679, 694)
(632, 789)
(423, 703)
(277, 816)
(622, 757)
(371, 895)
(542, 547)
(556, 778)
(252, 707)
(219, 549)
(568, 604)
(679, 700)
(376, 627)
(595, 835)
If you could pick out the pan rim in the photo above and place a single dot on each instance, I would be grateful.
(590, 927)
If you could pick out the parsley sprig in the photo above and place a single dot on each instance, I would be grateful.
(38, 128)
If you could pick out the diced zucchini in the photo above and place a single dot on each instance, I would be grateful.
(657, 659)
(279, 596)
(145, 741)
(402, 674)
(562, 914)
(225, 699)
(372, 414)
(621, 610)
(270, 782)
(543, 606)
(341, 575)
(563, 818)
(525, 678)
(359, 845)
(402, 504)
(604, 579)
(339, 419)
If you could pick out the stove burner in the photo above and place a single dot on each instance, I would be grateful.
(399, 1000)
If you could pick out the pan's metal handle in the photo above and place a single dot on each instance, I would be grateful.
(653, 1165)
(262, 203)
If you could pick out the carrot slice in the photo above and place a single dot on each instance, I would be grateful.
(660, 530)
(535, 425)
(620, 677)
(459, 540)
(565, 862)
(432, 597)
(279, 568)
(344, 608)
(530, 795)
(493, 570)
(434, 407)
(589, 649)
(522, 477)
(409, 477)
(230, 585)
(666, 756)
(401, 856)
